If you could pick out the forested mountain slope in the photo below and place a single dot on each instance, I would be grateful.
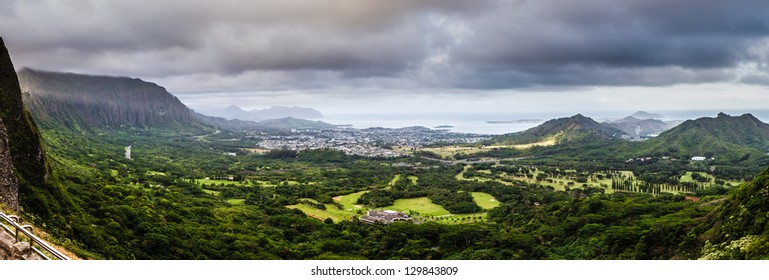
(740, 228)
(726, 138)
(84, 101)
(577, 128)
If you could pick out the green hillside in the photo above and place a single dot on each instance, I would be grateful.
(577, 128)
(727, 139)
(87, 102)
(739, 229)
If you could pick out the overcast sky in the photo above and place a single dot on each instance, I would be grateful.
(409, 55)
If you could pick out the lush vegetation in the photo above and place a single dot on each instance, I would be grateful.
(159, 205)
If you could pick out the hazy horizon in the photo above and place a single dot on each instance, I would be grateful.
(476, 122)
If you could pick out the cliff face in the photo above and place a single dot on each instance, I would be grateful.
(85, 101)
(27, 153)
(9, 186)
(21, 150)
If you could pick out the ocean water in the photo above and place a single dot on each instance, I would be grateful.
(478, 122)
(464, 123)
(464, 126)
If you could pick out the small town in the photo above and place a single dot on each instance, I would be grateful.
(369, 142)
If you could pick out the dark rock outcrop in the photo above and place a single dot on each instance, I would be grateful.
(27, 152)
(9, 185)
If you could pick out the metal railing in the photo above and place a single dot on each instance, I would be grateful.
(33, 239)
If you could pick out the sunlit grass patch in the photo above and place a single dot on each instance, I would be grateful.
(484, 200)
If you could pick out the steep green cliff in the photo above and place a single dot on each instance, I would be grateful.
(27, 152)
(67, 100)
(38, 196)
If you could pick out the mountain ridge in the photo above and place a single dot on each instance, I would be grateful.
(577, 128)
(643, 115)
(234, 112)
(285, 123)
(726, 139)
(88, 101)
(638, 128)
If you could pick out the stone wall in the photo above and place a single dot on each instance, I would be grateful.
(9, 187)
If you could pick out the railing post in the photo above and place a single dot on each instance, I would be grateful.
(31, 240)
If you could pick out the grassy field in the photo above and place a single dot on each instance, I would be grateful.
(154, 173)
(212, 192)
(423, 208)
(461, 177)
(337, 215)
(246, 183)
(414, 179)
(314, 212)
(423, 205)
(349, 200)
(450, 151)
(560, 184)
(688, 178)
(331, 211)
(557, 184)
(224, 182)
(397, 177)
(628, 174)
(426, 209)
(236, 201)
(484, 200)
(394, 180)
(289, 182)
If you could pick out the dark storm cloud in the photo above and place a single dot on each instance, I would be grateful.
(587, 42)
(373, 43)
(229, 36)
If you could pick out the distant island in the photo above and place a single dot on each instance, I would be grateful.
(444, 126)
(274, 112)
(516, 121)
(643, 115)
